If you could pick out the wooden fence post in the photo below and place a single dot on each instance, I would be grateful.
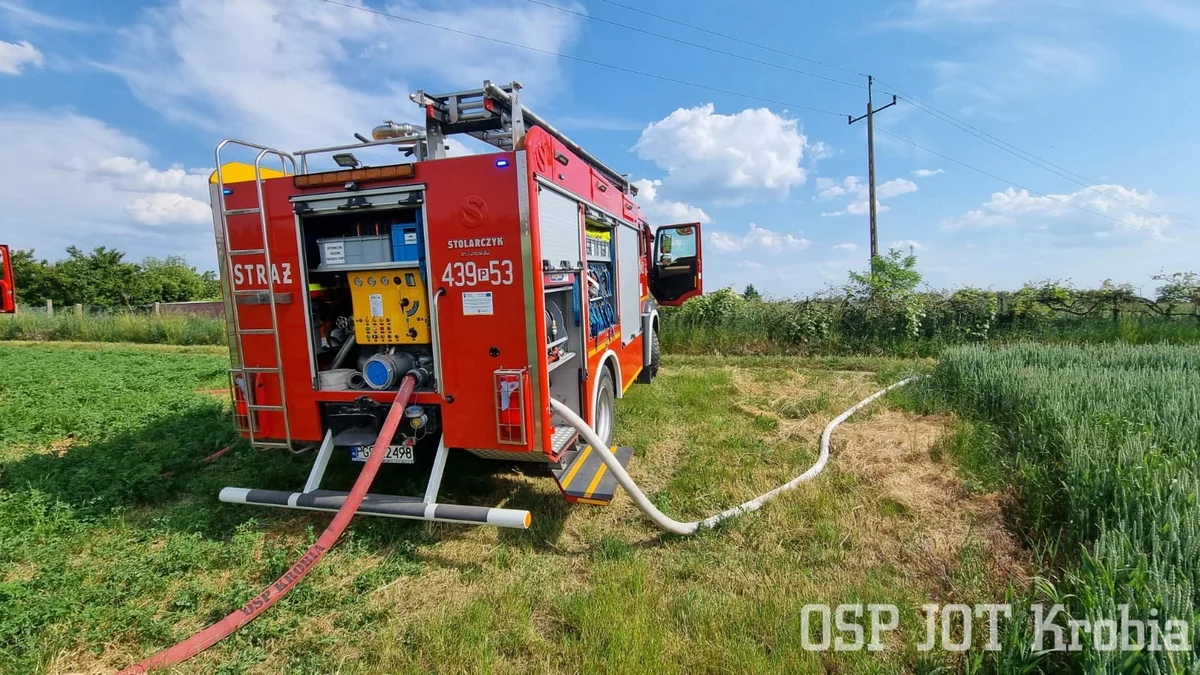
(79, 310)
(158, 309)
(50, 307)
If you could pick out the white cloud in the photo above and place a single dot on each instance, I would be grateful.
(932, 13)
(859, 192)
(1174, 12)
(757, 238)
(569, 123)
(1021, 51)
(926, 173)
(1114, 203)
(907, 245)
(660, 211)
(820, 150)
(857, 208)
(161, 208)
(955, 6)
(895, 188)
(1022, 68)
(926, 12)
(137, 175)
(85, 183)
(844, 247)
(263, 70)
(15, 56)
(750, 265)
(1055, 60)
(827, 188)
(723, 242)
(18, 13)
(729, 159)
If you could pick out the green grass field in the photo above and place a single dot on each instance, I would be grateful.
(113, 544)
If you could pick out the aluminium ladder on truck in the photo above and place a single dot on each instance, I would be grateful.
(494, 115)
(242, 375)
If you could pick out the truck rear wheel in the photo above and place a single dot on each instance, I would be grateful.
(654, 358)
(604, 408)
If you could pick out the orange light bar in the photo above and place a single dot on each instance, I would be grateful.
(368, 175)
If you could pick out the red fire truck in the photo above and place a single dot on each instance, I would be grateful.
(8, 288)
(499, 280)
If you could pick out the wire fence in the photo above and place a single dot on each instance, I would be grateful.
(208, 308)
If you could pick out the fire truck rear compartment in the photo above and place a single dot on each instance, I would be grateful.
(368, 305)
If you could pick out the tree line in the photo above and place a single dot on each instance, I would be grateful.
(103, 278)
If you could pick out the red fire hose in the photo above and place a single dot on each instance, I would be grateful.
(225, 627)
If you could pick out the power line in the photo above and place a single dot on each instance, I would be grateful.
(580, 59)
(1003, 180)
(950, 119)
(695, 85)
(732, 38)
(1017, 152)
(697, 45)
(1024, 155)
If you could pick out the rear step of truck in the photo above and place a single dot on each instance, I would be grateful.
(585, 479)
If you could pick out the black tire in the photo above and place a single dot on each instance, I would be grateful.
(654, 358)
(604, 408)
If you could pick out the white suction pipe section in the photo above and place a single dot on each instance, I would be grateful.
(671, 525)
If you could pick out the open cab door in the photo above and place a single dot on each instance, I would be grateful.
(8, 294)
(676, 270)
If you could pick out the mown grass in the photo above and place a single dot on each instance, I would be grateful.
(135, 328)
(113, 545)
(1102, 444)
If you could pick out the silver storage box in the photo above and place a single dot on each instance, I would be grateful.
(353, 251)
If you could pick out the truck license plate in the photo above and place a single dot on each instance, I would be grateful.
(396, 454)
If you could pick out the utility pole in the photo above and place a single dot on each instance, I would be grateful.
(870, 117)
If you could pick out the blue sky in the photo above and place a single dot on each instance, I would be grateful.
(109, 113)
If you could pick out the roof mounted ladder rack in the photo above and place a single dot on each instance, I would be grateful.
(494, 115)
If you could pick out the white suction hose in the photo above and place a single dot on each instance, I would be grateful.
(671, 525)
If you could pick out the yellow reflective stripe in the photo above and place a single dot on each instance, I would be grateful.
(595, 481)
(575, 469)
(632, 379)
(600, 347)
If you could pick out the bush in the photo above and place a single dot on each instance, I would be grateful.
(882, 312)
